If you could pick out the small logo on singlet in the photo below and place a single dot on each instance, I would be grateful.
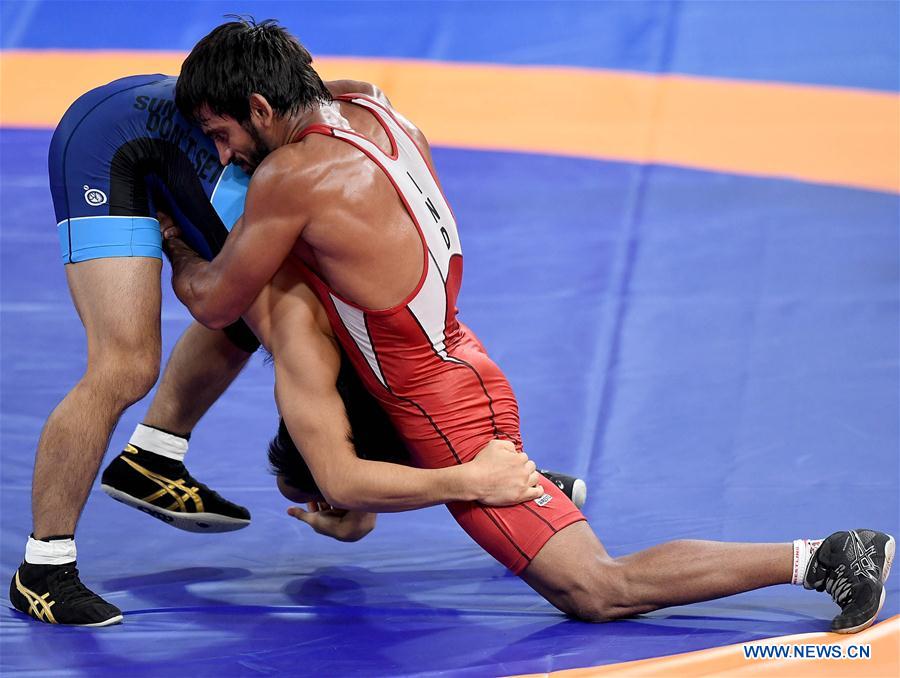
(543, 500)
(94, 196)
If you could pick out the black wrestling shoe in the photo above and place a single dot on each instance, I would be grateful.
(852, 566)
(163, 488)
(574, 488)
(881, 548)
(873, 553)
(54, 594)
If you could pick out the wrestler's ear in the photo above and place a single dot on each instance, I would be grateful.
(260, 110)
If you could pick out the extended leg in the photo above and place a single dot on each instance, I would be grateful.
(574, 572)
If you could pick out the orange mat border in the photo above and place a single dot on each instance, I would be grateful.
(883, 638)
(818, 134)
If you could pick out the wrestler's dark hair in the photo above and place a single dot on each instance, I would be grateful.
(286, 461)
(243, 57)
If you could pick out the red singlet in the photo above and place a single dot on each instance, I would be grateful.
(445, 396)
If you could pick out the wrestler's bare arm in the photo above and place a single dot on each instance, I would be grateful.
(323, 518)
(305, 374)
(218, 292)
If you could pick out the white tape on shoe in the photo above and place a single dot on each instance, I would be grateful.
(159, 442)
(56, 552)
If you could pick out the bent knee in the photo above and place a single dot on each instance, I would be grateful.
(124, 379)
(593, 610)
(597, 594)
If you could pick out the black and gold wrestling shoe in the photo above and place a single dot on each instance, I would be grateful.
(54, 594)
(163, 488)
(852, 566)
(574, 488)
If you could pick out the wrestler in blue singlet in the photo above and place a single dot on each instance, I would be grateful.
(115, 148)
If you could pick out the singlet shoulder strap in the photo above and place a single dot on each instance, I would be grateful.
(313, 129)
(378, 111)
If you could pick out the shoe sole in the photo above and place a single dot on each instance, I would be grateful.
(189, 522)
(866, 624)
(109, 622)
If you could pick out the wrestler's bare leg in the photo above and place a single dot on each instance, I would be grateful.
(118, 300)
(203, 364)
(575, 573)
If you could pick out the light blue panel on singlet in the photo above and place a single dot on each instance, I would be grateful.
(229, 195)
(109, 236)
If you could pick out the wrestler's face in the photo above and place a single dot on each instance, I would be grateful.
(237, 143)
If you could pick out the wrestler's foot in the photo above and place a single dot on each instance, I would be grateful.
(852, 566)
(163, 488)
(55, 595)
(574, 488)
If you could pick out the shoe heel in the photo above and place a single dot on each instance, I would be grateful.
(889, 549)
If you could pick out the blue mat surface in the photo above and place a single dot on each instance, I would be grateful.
(717, 355)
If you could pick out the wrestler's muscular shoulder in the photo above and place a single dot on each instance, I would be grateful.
(277, 204)
(359, 236)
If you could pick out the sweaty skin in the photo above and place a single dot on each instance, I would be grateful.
(313, 200)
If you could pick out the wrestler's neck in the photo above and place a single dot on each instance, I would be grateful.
(292, 126)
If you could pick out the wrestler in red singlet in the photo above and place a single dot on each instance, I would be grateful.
(433, 377)
(436, 382)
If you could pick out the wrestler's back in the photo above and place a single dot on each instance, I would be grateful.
(361, 238)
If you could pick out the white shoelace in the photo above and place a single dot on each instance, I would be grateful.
(840, 588)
